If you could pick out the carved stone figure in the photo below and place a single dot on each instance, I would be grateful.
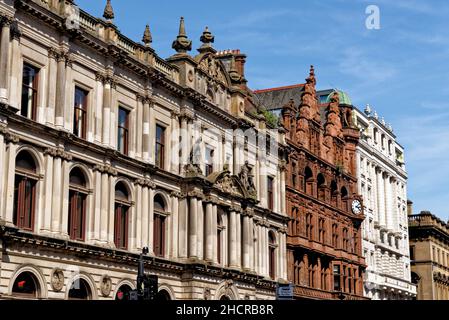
(106, 286)
(57, 280)
(247, 179)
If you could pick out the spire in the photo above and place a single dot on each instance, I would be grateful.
(311, 79)
(108, 11)
(147, 38)
(182, 44)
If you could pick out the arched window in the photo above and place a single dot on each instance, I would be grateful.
(25, 286)
(80, 290)
(123, 293)
(334, 193)
(344, 198)
(308, 181)
(77, 205)
(321, 187)
(272, 255)
(159, 226)
(163, 295)
(122, 207)
(25, 191)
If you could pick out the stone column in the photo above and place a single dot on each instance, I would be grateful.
(283, 186)
(146, 130)
(246, 244)
(214, 233)
(175, 147)
(144, 226)
(56, 195)
(232, 227)
(105, 194)
(182, 227)
(209, 233)
(380, 198)
(150, 227)
(193, 228)
(97, 205)
(98, 108)
(138, 139)
(111, 212)
(200, 231)
(152, 134)
(10, 171)
(4, 57)
(61, 89)
(139, 216)
(14, 89)
(175, 224)
(184, 142)
(2, 168)
(239, 239)
(388, 200)
(107, 106)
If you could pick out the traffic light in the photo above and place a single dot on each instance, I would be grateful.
(150, 284)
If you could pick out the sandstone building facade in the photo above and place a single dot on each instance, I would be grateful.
(105, 148)
(326, 213)
(429, 254)
(382, 181)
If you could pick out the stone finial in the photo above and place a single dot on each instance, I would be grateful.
(182, 44)
(368, 110)
(383, 121)
(311, 79)
(108, 11)
(376, 115)
(147, 38)
(207, 38)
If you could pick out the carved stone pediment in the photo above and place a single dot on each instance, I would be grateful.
(213, 67)
(229, 184)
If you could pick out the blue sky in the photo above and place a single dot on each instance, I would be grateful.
(401, 70)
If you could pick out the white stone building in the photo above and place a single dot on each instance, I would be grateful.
(382, 180)
(91, 170)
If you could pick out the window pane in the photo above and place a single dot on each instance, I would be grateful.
(29, 91)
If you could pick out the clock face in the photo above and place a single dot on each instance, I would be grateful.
(357, 207)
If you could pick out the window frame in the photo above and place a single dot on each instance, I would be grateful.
(34, 90)
(270, 193)
(83, 111)
(160, 160)
(125, 130)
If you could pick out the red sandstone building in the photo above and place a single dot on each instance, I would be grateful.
(324, 237)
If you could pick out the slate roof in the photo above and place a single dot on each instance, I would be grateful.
(277, 98)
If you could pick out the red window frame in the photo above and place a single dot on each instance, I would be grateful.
(24, 201)
(77, 215)
(159, 235)
(121, 225)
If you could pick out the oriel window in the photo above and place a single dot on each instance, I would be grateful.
(80, 113)
(30, 78)
(160, 146)
(123, 130)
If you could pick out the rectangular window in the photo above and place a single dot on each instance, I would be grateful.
(268, 144)
(30, 77)
(160, 146)
(24, 203)
(121, 226)
(337, 278)
(270, 193)
(80, 113)
(209, 161)
(123, 130)
(322, 231)
(77, 213)
(159, 235)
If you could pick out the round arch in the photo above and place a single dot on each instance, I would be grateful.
(38, 276)
(122, 283)
(85, 170)
(39, 161)
(227, 289)
(128, 185)
(89, 281)
(165, 198)
(167, 290)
